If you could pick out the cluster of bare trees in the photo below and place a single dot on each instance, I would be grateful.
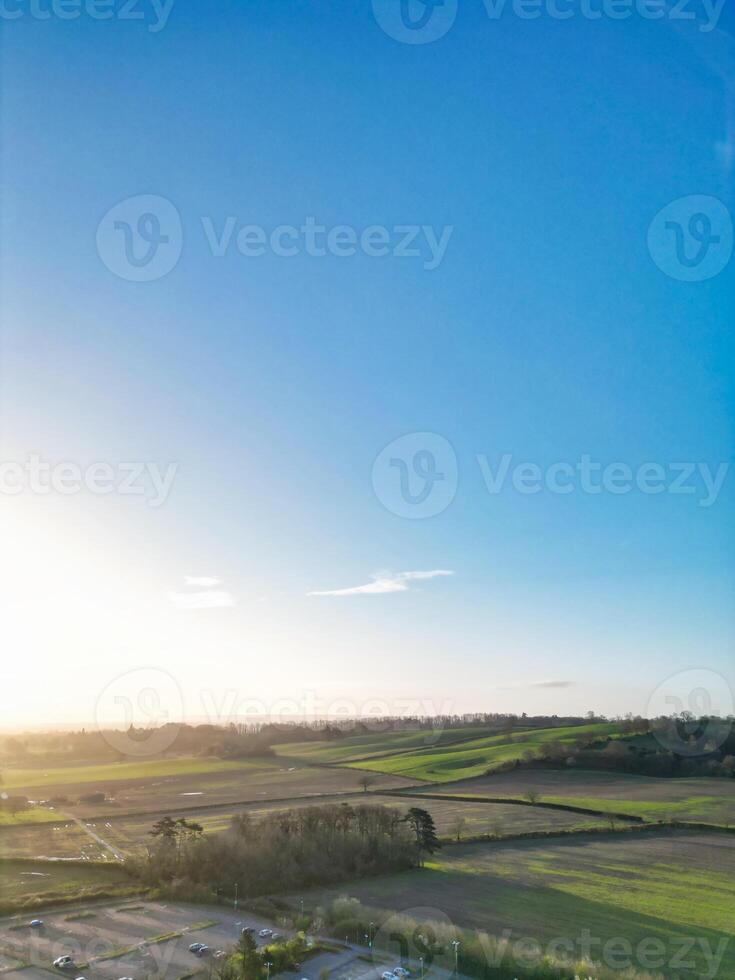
(288, 848)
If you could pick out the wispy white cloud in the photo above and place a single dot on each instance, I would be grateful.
(202, 600)
(203, 581)
(385, 582)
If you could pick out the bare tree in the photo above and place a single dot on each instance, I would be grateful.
(457, 826)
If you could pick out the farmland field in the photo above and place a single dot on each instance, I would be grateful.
(34, 814)
(709, 800)
(130, 832)
(474, 758)
(113, 772)
(479, 818)
(659, 885)
(376, 743)
(41, 882)
(207, 782)
(55, 841)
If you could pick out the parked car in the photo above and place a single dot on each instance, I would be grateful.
(203, 950)
(195, 947)
(276, 936)
(35, 923)
(63, 962)
(264, 933)
(388, 975)
(219, 954)
(401, 971)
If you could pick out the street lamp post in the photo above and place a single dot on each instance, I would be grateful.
(455, 943)
(235, 902)
(370, 930)
(268, 966)
(421, 962)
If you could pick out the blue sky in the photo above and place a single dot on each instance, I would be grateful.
(548, 331)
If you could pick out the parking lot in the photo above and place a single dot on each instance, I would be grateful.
(137, 940)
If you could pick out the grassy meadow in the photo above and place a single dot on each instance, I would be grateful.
(376, 744)
(35, 883)
(166, 785)
(446, 763)
(30, 815)
(660, 885)
(113, 772)
(701, 799)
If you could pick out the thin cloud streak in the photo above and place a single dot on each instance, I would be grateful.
(203, 581)
(386, 582)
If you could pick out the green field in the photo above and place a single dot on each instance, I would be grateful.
(33, 815)
(35, 883)
(664, 886)
(474, 758)
(160, 786)
(112, 772)
(58, 840)
(703, 799)
(376, 743)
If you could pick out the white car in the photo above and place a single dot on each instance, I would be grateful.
(63, 962)
(401, 971)
(36, 923)
(264, 933)
(388, 975)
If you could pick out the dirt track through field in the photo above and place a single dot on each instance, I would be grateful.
(117, 854)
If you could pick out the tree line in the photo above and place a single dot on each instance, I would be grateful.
(285, 849)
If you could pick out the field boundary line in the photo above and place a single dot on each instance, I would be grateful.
(195, 808)
(514, 801)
